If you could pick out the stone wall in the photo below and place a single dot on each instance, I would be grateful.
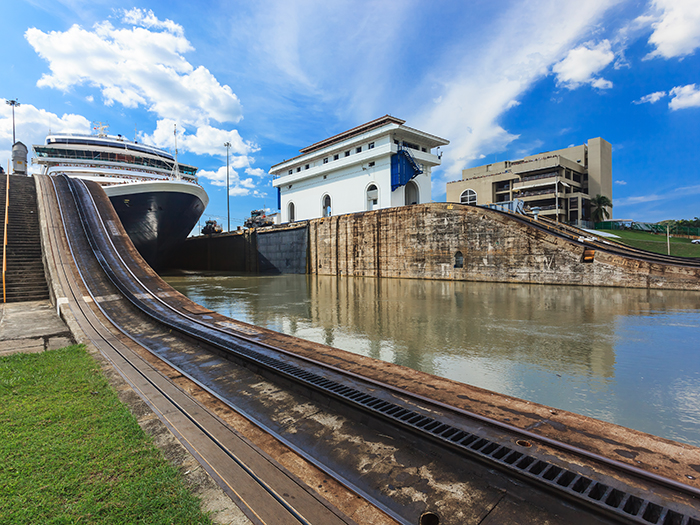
(423, 242)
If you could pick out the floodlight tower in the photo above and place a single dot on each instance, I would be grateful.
(15, 104)
(228, 197)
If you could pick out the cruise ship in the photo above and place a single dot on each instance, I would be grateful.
(157, 199)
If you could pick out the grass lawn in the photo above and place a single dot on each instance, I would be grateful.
(71, 452)
(656, 243)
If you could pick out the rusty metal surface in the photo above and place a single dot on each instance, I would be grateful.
(400, 471)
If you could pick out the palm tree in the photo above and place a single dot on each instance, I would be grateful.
(599, 213)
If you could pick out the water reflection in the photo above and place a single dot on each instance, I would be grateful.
(625, 356)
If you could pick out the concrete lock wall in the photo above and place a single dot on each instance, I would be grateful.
(427, 241)
(282, 251)
(423, 242)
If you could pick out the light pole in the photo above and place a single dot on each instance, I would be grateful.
(15, 104)
(228, 198)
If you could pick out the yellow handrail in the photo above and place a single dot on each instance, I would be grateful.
(4, 245)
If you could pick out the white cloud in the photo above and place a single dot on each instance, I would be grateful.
(621, 182)
(582, 64)
(237, 187)
(475, 90)
(207, 140)
(256, 172)
(31, 127)
(651, 98)
(676, 28)
(142, 65)
(684, 97)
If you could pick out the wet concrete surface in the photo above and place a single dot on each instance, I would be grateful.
(30, 327)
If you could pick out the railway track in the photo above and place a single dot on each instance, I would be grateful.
(589, 240)
(515, 465)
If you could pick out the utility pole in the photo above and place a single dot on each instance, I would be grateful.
(15, 104)
(228, 197)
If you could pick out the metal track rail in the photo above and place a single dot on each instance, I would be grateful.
(587, 239)
(607, 496)
(230, 459)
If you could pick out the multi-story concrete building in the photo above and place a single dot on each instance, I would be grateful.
(380, 164)
(560, 183)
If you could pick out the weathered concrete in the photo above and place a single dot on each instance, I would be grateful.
(30, 327)
(283, 250)
(423, 242)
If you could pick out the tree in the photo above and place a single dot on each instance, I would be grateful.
(599, 213)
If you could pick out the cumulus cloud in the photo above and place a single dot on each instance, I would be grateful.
(32, 125)
(676, 25)
(237, 187)
(141, 65)
(621, 182)
(207, 140)
(651, 98)
(582, 64)
(684, 97)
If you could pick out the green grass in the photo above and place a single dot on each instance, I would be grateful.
(656, 243)
(71, 452)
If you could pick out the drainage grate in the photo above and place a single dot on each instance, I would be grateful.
(596, 494)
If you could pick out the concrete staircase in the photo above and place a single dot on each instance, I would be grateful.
(24, 277)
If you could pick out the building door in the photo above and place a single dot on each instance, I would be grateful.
(411, 193)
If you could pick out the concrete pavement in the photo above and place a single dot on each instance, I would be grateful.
(30, 327)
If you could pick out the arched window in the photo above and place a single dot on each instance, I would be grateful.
(290, 211)
(459, 260)
(468, 197)
(411, 193)
(372, 197)
(326, 205)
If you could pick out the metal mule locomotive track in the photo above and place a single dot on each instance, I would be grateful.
(395, 407)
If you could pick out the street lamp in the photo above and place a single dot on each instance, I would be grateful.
(14, 104)
(228, 198)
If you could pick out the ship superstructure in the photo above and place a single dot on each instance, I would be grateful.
(157, 199)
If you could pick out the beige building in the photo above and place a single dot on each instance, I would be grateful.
(560, 183)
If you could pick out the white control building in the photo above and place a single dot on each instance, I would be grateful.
(380, 164)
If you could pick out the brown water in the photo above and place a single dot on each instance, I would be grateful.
(631, 357)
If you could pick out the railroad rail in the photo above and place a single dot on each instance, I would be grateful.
(590, 240)
(609, 490)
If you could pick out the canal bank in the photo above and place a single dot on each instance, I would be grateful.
(439, 241)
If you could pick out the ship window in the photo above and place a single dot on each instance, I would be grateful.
(468, 197)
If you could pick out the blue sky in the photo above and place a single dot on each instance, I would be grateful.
(498, 79)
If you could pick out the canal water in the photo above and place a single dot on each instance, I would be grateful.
(630, 357)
